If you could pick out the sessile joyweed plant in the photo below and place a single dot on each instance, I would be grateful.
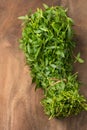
(47, 42)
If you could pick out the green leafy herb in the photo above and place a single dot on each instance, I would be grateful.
(47, 41)
(79, 59)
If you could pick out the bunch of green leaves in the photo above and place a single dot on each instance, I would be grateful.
(47, 42)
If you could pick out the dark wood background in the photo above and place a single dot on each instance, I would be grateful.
(20, 107)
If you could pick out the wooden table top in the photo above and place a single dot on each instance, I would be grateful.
(20, 107)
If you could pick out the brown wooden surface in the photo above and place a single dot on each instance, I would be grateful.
(20, 107)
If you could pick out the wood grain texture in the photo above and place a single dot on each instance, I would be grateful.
(20, 107)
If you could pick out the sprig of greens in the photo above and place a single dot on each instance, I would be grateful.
(47, 41)
(79, 59)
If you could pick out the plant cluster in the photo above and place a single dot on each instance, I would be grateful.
(47, 42)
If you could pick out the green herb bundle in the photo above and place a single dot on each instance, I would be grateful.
(47, 41)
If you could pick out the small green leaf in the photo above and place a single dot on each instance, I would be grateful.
(78, 55)
(23, 17)
(45, 6)
(79, 59)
